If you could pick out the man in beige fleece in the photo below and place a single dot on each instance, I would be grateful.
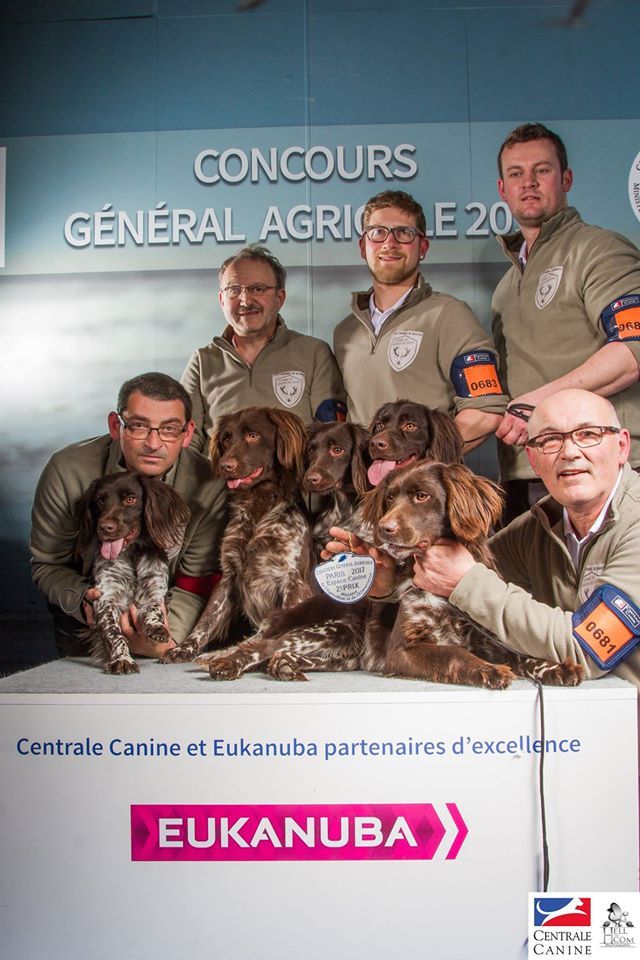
(404, 339)
(554, 559)
(566, 314)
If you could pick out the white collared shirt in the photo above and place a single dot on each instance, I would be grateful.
(575, 546)
(523, 254)
(378, 317)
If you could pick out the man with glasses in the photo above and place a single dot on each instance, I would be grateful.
(150, 433)
(569, 574)
(257, 360)
(567, 312)
(405, 340)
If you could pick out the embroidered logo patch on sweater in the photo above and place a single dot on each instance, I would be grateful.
(548, 286)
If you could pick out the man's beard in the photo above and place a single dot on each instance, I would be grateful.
(393, 273)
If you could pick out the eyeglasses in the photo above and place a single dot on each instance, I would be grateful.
(234, 290)
(400, 234)
(140, 430)
(582, 437)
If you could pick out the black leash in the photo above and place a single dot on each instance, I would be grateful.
(543, 810)
(522, 411)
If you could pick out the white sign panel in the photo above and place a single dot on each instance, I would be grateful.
(287, 826)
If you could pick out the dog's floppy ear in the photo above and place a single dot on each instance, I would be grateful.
(214, 444)
(165, 514)
(359, 458)
(446, 442)
(85, 519)
(373, 504)
(290, 440)
(474, 504)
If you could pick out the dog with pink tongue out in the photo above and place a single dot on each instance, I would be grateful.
(403, 431)
(266, 554)
(137, 524)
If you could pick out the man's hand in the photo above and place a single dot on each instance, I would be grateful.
(88, 600)
(441, 568)
(514, 430)
(384, 578)
(137, 640)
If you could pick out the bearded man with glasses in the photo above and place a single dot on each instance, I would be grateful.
(569, 583)
(150, 433)
(258, 360)
(405, 340)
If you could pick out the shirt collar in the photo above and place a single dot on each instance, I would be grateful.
(575, 545)
(378, 317)
(523, 254)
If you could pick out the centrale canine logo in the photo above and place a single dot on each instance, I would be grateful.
(562, 912)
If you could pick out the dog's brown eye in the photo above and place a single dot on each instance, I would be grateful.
(336, 451)
(409, 427)
(421, 496)
(379, 425)
(250, 435)
(130, 498)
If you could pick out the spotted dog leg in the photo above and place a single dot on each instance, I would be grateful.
(109, 641)
(151, 590)
(565, 674)
(286, 665)
(447, 664)
(230, 663)
(212, 625)
(331, 646)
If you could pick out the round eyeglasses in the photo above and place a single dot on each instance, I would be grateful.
(400, 234)
(583, 437)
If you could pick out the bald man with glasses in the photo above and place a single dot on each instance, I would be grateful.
(403, 339)
(569, 583)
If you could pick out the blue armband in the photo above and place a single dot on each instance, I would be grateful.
(475, 375)
(330, 410)
(607, 626)
(621, 319)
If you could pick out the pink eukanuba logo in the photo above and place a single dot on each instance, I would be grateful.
(367, 831)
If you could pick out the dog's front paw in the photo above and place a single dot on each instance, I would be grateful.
(183, 653)
(158, 633)
(284, 666)
(565, 674)
(496, 677)
(224, 668)
(121, 665)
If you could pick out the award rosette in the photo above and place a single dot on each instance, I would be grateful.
(346, 577)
